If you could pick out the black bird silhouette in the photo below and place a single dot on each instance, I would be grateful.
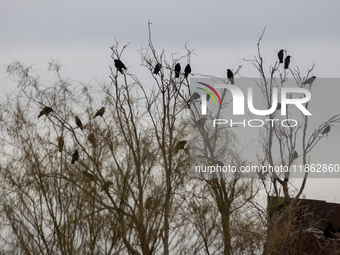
(119, 65)
(278, 107)
(295, 155)
(287, 61)
(208, 97)
(148, 203)
(177, 70)
(45, 111)
(75, 157)
(180, 145)
(280, 55)
(326, 130)
(106, 186)
(309, 81)
(194, 96)
(230, 76)
(157, 68)
(327, 233)
(330, 226)
(78, 122)
(187, 70)
(60, 144)
(100, 112)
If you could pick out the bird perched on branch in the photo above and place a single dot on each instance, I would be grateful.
(230, 76)
(326, 130)
(177, 70)
(157, 68)
(327, 233)
(180, 146)
(92, 139)
(88, 176)
(100, 112)
(148, 203)
(106, 186)
(45, 111)
(75, 157)
(280, 56)
(287, 61)
(278, 107)
(79, 123)
(295, 155)
(194, 97)
(60, 143)
(119, 65)
(309, 81)
(187, 70)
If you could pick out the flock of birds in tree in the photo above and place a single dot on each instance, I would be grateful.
(286, 63)
(187, 70)
(230, 76)
(200, 123)
(75, 156)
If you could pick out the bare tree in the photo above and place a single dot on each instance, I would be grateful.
(96, 183)
(279, 148)
(106, 169)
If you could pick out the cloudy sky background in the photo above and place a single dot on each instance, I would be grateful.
(79, 33)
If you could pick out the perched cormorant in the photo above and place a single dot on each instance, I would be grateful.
(287, 61)
(177, 70)
(326, 130)
(157, 68)
(119, 65)
(45, 111)
(230, 76)
(280, 55)
(187, 70)
(75, 157)
(79, 123)
(100, 112)
(309, 81)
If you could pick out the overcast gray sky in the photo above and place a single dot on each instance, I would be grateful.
(79, 33)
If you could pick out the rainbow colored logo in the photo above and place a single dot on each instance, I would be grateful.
(209, 93)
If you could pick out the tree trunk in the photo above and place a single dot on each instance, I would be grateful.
(167, 215)
(226, 231)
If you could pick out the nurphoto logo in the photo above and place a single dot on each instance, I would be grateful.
(238, 99)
